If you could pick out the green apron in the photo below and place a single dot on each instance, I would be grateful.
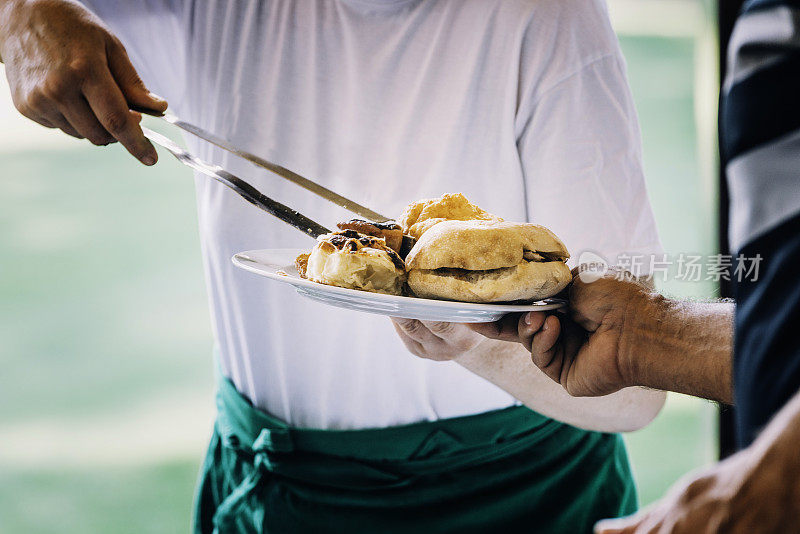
(513, 470)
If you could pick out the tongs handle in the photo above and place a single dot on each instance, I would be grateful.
(283, 172)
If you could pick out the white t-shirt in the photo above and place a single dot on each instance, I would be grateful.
(522, 105)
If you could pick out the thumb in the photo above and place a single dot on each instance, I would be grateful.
(131, 85)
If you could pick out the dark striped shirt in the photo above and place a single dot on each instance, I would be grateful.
(760, 118)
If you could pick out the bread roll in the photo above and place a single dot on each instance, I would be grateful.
(352, 260)
(487, 261)
(478, 245)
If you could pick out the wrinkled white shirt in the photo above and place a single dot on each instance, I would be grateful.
(523, 105)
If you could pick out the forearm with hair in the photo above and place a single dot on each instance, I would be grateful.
(680, 346)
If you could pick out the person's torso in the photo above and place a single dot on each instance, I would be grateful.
(385, 102)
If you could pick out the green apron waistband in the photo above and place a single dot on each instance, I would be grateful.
(243, 426)
(503, 461)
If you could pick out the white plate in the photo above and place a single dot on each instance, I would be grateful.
(278, 264)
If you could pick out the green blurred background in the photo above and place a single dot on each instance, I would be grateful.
(105, 339)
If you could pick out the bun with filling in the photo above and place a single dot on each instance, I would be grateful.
(354, 260)
(487, 261)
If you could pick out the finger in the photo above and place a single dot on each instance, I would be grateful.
(131, 85)
(644, 521)
(452, 335)
(413, 346)
(545, 343)
(547, 350)
(67, 128)
(415, 330)
(624, 525)
(44, 122)
(46, 114)
(111, 109)
(528, 325)
(505, 329)
(82, 119)
(440, 328)
(491, 330)
(654, 521)
(59, 121)
(40, 118)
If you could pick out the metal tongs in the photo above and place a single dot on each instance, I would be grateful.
(243, 188)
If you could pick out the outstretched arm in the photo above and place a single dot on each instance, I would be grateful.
(508, 365)
(67, 71)
(755, 490)
(620, 334)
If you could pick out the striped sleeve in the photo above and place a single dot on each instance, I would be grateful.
(760, 118)
(760, 141)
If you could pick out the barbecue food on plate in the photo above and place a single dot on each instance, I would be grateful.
(487, 261)
(353, 260)
(388, 230)
(453, 250)
(421, 216)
